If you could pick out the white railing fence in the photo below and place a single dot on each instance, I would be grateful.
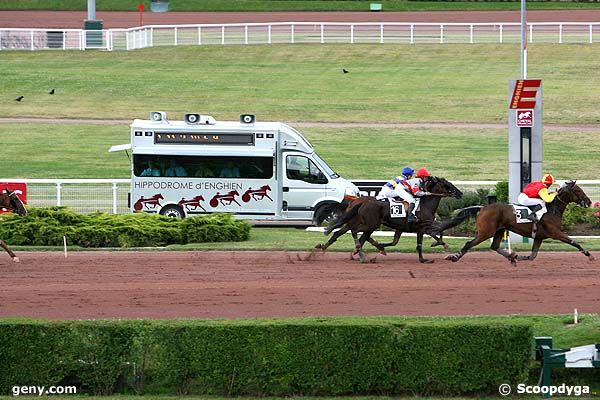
(296, 32)
(110, 195)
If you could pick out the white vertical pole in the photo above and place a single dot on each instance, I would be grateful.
(127, 40)
(523, 42)
(471, 34)
(352, 34)
(441, 33)
(223, 34)
(114, 194)
(151, 37)
(199, 35)
(591, 36)
(64, 40)
(381, 33)
(175, 35)
(501, 33)
(412, 34)
(58, 193)
(269, 34)
(322, 33)
(293, 34)
(1, 37)
(91, 10)
(245, 34)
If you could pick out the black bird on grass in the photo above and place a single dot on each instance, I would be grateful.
(19, 98)
(345, 70)
(51, 92)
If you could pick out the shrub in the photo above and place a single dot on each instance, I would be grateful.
(502, 192)
(47, 226)
(328, 357)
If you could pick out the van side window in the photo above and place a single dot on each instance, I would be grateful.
(303, 169)
(170, 166)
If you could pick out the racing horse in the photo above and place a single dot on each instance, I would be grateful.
(494, 219)
(366, 214)
(11, 202)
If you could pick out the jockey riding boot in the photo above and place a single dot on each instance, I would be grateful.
(411, 217)
(533, 213)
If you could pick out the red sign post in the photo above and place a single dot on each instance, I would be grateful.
(141, 10)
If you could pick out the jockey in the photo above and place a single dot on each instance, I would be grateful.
(406, 189)
(536, 194)
(388, 190)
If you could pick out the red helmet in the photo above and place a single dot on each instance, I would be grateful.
(548, 180)
(422, 173)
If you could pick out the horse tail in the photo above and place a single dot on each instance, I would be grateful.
(463, 214)
(346, 217)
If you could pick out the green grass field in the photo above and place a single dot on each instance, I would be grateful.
(290, 83)
(81, 151)
(386, 83)
(290, 5)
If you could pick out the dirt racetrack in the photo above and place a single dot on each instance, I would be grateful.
(213, 284)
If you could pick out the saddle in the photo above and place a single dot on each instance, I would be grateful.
(399, 207)
(522, 213)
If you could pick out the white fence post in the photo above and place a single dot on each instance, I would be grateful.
(530, 33)
(245, 34)
(560, 33)
(591, 36)
(352, 34)
(223, 34)
(412, 34)
(381, 33)
(471, 33)
(115, 194)
(175, 35)
(322, 33)
(441, 33)
(199, 35)
(501, 32)
(58, 193)
(292, 31)
(269, 38)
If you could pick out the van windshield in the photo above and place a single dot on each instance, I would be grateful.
(327, 168)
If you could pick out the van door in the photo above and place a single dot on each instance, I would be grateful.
(304, 184)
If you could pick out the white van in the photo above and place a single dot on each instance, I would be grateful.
(256, 170)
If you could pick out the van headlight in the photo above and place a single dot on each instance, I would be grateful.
(351, 194)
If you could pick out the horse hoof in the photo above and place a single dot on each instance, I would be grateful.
(16, 259)
(426, 261)
(591, 258)
(319, 246)
(453, 258)
(383, 252)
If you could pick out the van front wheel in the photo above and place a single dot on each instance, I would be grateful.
(326, 214)
(172, 212)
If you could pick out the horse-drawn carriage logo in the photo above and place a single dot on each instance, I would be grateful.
(224, 199)
(191, 204)
(256, 194)
(149, 203)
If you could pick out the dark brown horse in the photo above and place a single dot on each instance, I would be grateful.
(9, 201)
(494, 219)
(367, 214)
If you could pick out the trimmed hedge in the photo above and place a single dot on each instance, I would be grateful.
(335, 356)
(47, 226)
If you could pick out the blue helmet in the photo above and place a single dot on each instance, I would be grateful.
(408, 171)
